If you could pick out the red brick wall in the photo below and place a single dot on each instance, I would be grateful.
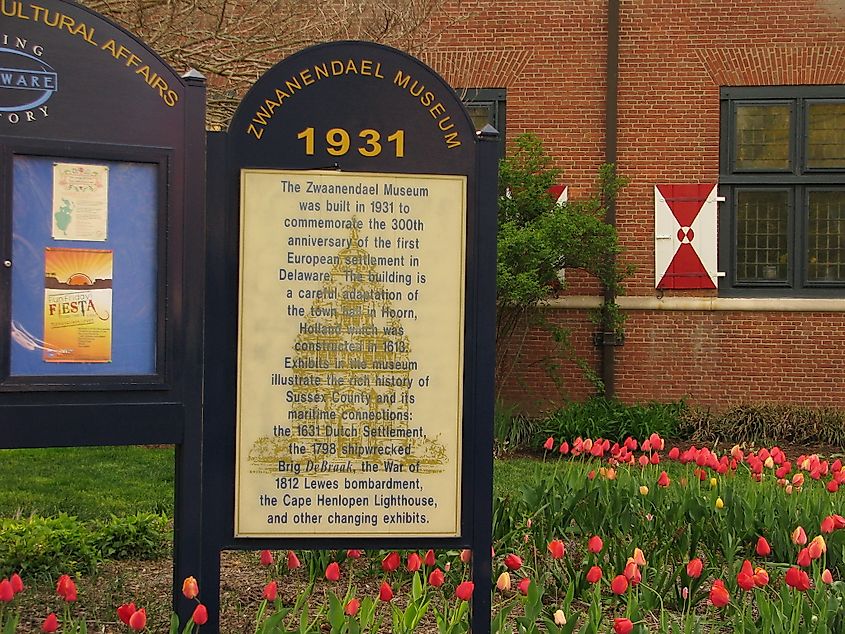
(674, 56)
(725, 358)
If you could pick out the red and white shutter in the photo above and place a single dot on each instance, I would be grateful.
(560, 193)
(685, 236)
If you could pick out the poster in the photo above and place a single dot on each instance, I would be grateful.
(77, 305)
(80, 202)
(350, 374)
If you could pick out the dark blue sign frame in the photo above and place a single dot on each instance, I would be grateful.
(374, 88)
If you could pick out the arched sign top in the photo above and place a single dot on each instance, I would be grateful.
(70, 73)
(354, 106)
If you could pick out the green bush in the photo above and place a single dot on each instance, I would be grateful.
(610, 419)
(52, 546)
(38, 546)
(765, 423)
(139, 536)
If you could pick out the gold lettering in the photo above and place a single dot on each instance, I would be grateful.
(437, 109)
(452, 140)
(366, 67)
(442, 123)
(427, 99)
(337, 67)
(321, 70)
(251, 129)
(350, 67)
(306, 77)
(293, 85)
(281, 95)
(401, 79)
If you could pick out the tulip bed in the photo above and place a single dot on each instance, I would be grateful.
(597, 537)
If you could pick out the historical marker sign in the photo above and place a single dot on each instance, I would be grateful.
(350, 355)
(349, 332)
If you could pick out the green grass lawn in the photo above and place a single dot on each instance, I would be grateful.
(95, 482)
(88, 482)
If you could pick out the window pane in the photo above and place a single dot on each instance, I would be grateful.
(762, 223)
(762, 137)
(826, 236)
(481, 114)
(826, 135)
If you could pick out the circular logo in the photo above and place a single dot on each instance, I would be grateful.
(26, 81)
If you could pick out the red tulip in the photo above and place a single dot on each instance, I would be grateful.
(430, 558)
(719, 595)
(594, 574)
(761, 578)
(51, 623)
(200, 615)
(557, 549)
(293, 561)
(799, 537)
(803, 557)
(832, 486)
(353, 554)
(827, 577)
(663, 480)
(523, 585)
(513, 562)
(674, 453)
(622, 626)
(66, 588)
(138, 621)
(414, 562)
(549, 444)
(266, 558)
(125, 611)
(6, 592)
(595, 544)
(391, 562)
(763, 548)
(564, 448)
(333, 571)
(619, 584)
(694, 567)
(827, 525)
(466, 555)
(838, 521)
(464, 590)
(632, 572)
(817, 547)
(745, 581)
(351, 608)
(271, 591)
(798, 579)
(189, 588)
(436, 578)
(17, 583)
(385, 592)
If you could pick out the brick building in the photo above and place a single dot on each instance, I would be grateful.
(729, 120)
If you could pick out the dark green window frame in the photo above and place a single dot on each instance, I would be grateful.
(782, 224)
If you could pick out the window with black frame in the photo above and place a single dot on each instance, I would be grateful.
(782, 172)
(486, 106)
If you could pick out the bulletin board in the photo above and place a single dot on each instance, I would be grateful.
(85, 297)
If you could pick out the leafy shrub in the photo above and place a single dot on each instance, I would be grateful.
(765, 423)
(512, 430)
(52, 546)
(608, 418)
(139, 536)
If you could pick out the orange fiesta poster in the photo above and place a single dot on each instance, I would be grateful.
(77, 305)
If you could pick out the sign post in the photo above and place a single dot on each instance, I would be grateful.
(350, 325)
